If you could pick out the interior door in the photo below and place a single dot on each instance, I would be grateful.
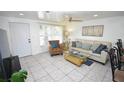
(20, 38)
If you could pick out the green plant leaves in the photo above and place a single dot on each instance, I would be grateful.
(19, 76)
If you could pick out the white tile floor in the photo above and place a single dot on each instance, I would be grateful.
(44, 68)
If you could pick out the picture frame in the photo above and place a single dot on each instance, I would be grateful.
(95, 30)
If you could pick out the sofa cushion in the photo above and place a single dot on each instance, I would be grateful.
(82, 50)
(100, 48)
(86, 46)
(56, 49)
(96, 55)
(54, 44)
(73, 43)
(94, 47)
(78, 44)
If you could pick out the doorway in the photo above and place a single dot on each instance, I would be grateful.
(20, 39)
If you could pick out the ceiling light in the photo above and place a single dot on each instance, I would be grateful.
(41, 14)
(66, 16)
(95, 15)
(21, 14)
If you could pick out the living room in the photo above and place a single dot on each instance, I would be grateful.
(61, 46)
(28, 35)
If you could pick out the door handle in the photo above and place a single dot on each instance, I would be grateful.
(29, 40)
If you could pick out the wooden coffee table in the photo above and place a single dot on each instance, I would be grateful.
(75, 59)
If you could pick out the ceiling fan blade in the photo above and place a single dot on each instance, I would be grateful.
(76, 20)
(70, 19)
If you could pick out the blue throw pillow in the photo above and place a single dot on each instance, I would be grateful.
(54, 44)
(100, 48)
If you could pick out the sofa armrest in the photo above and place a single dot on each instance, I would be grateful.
(104, 53)
(50, 48)
(61, 46)
(104, 56)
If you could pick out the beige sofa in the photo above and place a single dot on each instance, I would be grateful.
(102, 58)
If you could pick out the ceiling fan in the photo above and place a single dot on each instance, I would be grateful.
(73, 19)
(43, 14)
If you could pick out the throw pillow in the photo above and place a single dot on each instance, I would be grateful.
(54, 44)
(100, 48)
(73, 44)
(78, 44)
(86, 46)
(94, 47)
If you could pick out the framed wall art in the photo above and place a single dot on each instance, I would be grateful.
(95, 30)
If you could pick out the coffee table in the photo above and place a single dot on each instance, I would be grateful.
(75, 59)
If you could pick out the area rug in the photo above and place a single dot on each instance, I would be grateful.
(88, 62)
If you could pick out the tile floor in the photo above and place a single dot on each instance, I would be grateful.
(44, 68)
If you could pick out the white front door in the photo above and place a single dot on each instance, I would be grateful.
(20, 38)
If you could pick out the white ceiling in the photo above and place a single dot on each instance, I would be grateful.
(59, 16)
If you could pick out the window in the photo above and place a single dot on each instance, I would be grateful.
(42, 36)
(55, 33)
(50, 32)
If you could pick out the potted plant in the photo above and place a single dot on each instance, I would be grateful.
(19, 76)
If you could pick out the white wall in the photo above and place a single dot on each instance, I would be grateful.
(113, 29)
(4, 44)
(5, 26)
(34, 28)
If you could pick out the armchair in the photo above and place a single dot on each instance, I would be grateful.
(55, 48)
